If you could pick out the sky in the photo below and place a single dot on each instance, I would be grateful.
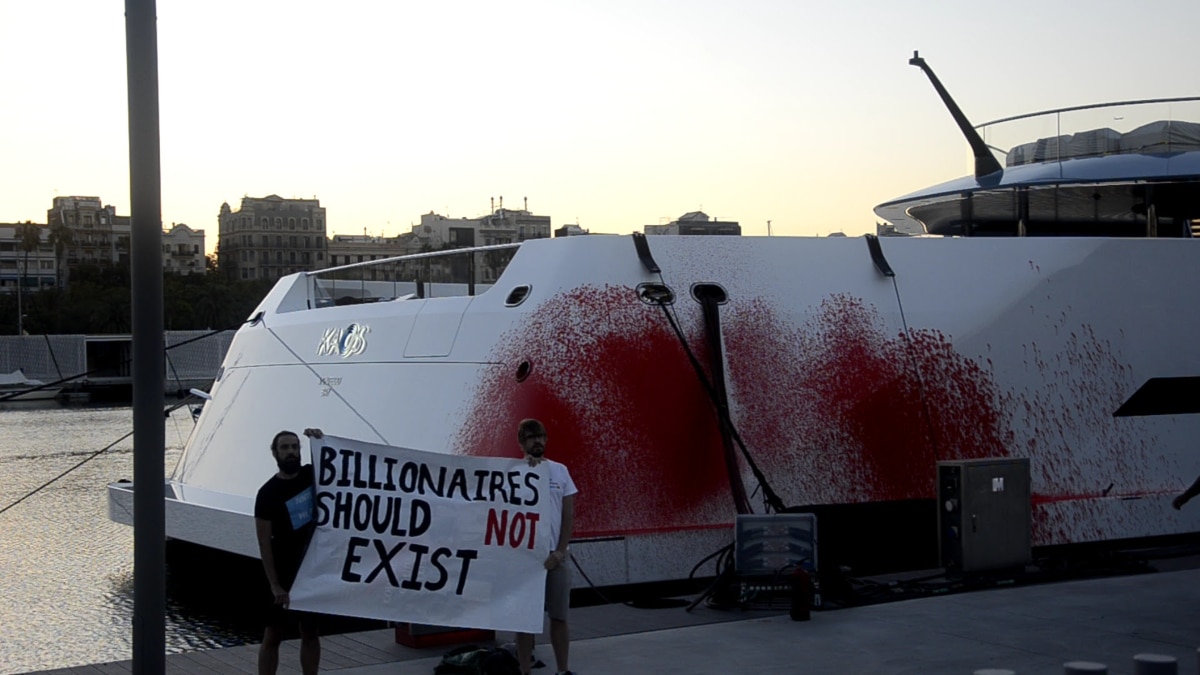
(612, 114)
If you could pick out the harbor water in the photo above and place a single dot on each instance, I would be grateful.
(66, 592)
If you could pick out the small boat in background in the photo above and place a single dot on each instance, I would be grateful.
(15, 387)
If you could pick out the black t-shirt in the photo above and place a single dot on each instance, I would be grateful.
(288, 504)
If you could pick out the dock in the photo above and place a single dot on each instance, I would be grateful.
(101, 366)
(1027, 629)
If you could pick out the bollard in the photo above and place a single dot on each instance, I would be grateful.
(1084, 668)
(1155, 664)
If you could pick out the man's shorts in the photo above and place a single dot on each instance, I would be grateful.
(558, 590)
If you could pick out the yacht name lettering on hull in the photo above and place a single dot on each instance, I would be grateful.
(328, 384)
(346, 342)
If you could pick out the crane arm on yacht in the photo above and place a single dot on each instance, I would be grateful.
(985, 162)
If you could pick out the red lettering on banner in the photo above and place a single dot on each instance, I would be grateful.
(511, 533)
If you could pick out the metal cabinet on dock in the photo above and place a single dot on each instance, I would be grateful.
(984, 519)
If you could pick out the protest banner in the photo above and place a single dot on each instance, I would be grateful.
(444, 540)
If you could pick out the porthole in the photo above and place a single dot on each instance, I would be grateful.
(707, 290)
(524, 370)
(517, 295)
(655, 294)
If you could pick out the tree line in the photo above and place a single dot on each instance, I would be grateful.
(97, 302)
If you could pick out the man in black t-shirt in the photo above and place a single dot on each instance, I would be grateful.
(283, 519)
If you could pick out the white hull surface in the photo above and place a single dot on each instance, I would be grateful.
(1015, 347)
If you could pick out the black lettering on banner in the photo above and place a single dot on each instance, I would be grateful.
(390, 505)
(466, 555)
(323, 508)
(418, 508)
(325, 475)
(411, 583)
(497, 485)
(372, 482)
(531, 481)
(385, 561)
(415, 580)
(443, 576)
(346, 455)
(408, 477)
(514, 487)
(351, 558)
(342, 506)
(389, 483)
(362, 512)
(358, 481)
(437, 487)
(480, 477)
(458, 482)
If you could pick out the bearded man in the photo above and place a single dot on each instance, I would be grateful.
(283, 520)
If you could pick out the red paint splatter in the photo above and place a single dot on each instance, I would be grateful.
(623, 407)
(834, 407)
(1084, 461)
(851, 414)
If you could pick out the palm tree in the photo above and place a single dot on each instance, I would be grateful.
(61, 237)
(30, 237)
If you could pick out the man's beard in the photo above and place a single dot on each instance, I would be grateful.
(537, 451)
(289, 464)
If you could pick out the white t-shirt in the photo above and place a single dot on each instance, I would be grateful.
(561, 486)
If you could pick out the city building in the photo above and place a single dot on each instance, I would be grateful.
(888, 230)
(271, 237)
(500, 226)
(570, 230)
(696, 222)
(346, 249)
(86, 231)
(183, 250)
(23, 261)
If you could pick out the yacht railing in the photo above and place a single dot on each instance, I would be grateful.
(1161, 125)
(448, 273)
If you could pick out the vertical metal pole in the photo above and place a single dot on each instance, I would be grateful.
(145, 189)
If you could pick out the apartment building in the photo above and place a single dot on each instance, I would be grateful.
(91, 233)
(500, 226)
(696, 222)
(183, 250)
(36, 267)
(271, 237)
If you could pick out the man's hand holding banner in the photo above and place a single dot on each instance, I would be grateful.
(445, 540)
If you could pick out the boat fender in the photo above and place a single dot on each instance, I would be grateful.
(643, 251)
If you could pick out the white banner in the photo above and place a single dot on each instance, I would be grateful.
(443, 540)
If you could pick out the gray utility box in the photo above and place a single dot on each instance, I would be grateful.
(984, 520)
(774, 544)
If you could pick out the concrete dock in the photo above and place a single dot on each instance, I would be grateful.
(1027, 629)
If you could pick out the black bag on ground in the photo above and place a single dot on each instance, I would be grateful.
(464, 660)
(476, 660)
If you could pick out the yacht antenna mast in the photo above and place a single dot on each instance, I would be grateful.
(985, 161)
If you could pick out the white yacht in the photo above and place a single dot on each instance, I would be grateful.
(687, 379)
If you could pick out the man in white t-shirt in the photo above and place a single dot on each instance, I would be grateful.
(532, 436)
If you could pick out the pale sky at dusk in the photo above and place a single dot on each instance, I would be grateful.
(612, 113)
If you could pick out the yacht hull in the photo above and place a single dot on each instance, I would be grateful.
(846, 386)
